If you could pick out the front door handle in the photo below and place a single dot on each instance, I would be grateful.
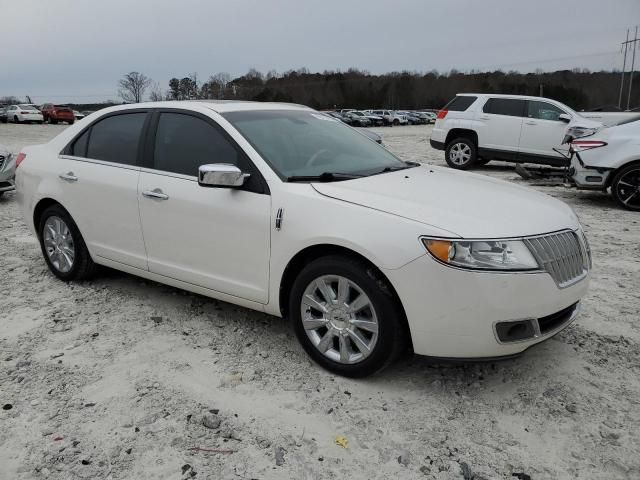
(69, 177)
(155, 193)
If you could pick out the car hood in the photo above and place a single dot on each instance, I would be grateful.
(465, 204)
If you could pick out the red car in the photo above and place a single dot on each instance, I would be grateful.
(57, 113)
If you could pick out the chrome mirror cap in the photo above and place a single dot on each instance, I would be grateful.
(222, 175)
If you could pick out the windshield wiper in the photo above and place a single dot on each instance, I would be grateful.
(395, 169)
(324, 177)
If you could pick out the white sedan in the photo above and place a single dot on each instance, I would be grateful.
(24, 114)
(288, 211)
(608, 159)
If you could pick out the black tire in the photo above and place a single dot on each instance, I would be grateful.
(15, 119)
(71, 122)
(83, 266)
(52, 121)
(625, 187)
(392, 332)
(455, 147)
(396, 121)
(1, 194)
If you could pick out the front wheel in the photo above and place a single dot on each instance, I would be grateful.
(62, 245)
(625, 187)
(346, 317)
(461, 153)
(15, 119)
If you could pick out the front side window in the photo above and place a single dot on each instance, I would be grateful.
(184, 143)
(543, 111)
(116, 138)
(308, 143)
(504, 106)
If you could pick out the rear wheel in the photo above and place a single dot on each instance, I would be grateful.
(15, 119)
(625, 187)
(346, 317)
(62, 245)
(461, 153)
(52, 121)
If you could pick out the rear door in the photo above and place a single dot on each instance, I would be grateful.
(542, 130)
(98, 176)
(500, 125)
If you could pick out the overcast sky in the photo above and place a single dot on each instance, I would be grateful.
(76, 50)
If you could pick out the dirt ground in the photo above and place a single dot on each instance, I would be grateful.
(121, 378)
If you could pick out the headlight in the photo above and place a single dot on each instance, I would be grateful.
(580, 132)
(482, 254)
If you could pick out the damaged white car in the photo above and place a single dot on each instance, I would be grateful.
(608, 159)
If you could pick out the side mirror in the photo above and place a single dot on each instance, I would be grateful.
(564, 117)
(223, 175)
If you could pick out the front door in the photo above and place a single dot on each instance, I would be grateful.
(542, 130)
(217, 238)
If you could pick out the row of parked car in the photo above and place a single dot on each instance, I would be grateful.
(48, 112)
(379, 118)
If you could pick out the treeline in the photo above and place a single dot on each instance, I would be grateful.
(580, 89)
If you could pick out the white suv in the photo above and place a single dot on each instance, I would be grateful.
(477, 128)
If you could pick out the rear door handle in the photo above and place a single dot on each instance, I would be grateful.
(69, 177)
(155, 193)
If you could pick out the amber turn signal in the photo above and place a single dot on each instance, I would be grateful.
(441, 249)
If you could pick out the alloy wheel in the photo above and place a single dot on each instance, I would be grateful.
(460, 154)
(58, 244)
(339, 319)
(628, 188)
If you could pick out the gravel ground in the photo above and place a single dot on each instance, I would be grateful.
(124, 378)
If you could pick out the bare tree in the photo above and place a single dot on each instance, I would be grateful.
(156, 94)
(132, 87)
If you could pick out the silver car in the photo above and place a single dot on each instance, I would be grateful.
(7, 171)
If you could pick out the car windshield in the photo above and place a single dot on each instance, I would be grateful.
(27, 107)
(306, 143)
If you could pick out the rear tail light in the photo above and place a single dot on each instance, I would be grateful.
(20, 158)
(582, 145)
(442, 114)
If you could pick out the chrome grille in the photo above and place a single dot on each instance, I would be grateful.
(2, 158)
(563, 255)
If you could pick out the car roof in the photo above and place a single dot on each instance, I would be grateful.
(219, 106)
(503, 95)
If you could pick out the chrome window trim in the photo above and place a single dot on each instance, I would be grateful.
(100, 162)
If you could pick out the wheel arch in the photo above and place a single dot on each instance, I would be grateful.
(313, 252)
(615, 172)
(39, 209)
(461, 132)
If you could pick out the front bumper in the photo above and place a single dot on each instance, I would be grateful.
(7, 172)
(453, 313)
(435, 144)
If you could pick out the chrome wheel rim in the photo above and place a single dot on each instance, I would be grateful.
(339, 319)
(628, 188)
(58, 243)
(460, 153)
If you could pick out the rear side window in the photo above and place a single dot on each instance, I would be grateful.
(79, 147)
(505, 106)
(116, 138)
(543, 111)
(184, 143)
(460, 103)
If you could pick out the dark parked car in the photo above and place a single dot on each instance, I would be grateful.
(3, 113)
(57, 113)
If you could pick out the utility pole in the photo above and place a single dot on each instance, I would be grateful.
(624, 67)
(633, 61)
